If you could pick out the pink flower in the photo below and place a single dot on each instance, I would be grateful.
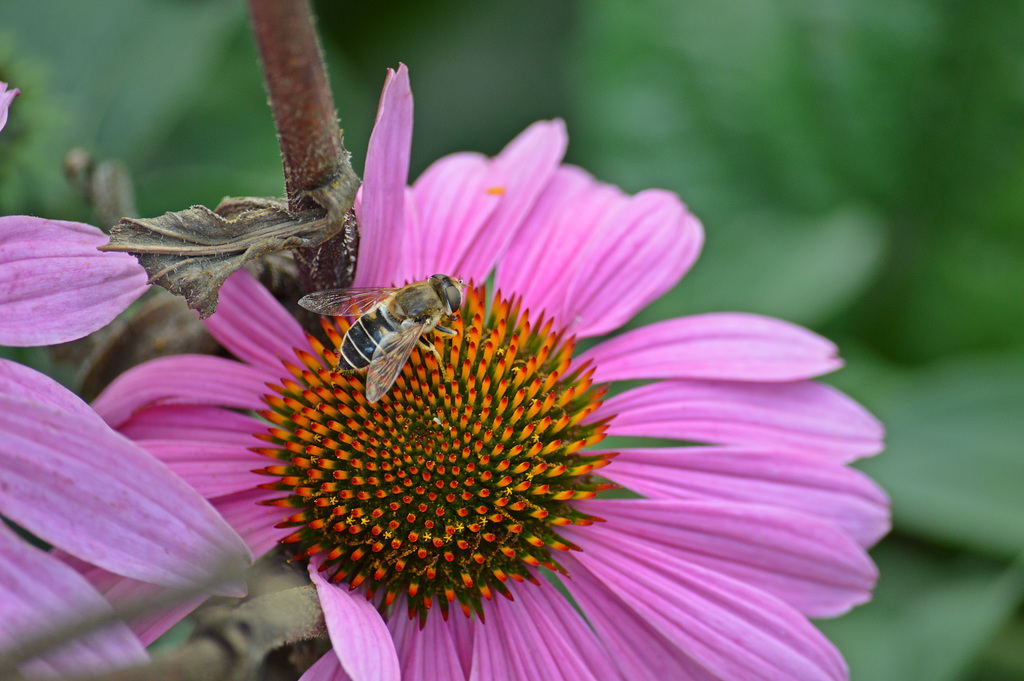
(6, 97)
(710, 575)
(476, 473)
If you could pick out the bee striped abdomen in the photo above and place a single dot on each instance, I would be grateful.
(364, 337)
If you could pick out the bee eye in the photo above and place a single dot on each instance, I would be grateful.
(453, 297)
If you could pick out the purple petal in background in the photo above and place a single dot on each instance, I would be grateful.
(253, 326)
(183, 379)
(82, 487)
(39, 593)
(212, 469)
(327, 668)
(125, 591)
(19, 381)
(254, 521)
(192, 422)
(55, 286)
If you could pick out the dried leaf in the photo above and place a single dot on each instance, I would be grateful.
(192, 252)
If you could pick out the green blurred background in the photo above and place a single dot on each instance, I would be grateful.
(858, 166)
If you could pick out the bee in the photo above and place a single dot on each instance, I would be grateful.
(392, 321)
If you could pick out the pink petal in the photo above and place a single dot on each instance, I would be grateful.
(632, 258)
(736, 632)
(591, 257)
(538, 636)
(192, 422)
(463, 632)
(835, 493)
(40, 593)
(327, 668)
(254, 521)
(17, 380)
(253, 326)
(182, 379)
(525, 166)
(466, 209)
(123, 591)
(549, 623)
(403, 630)
(360, 638)
(454, 198)
(542, 261)
(382, 208)
(724, 346)
(496, 656)
(801, 417)
(6, 97)
(413, 263)
(427, 654)
(82, 487)
(211, 469)
(808, 563)
(637, 648)
(55, 286)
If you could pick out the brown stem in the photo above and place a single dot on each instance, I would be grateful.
(300, 96)
(308, 132)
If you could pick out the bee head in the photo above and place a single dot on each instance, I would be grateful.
(449, 291)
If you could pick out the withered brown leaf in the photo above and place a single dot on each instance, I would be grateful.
(192, 252)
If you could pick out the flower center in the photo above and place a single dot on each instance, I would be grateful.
(456, 480)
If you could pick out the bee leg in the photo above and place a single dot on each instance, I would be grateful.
(445, 331)
(427, 345)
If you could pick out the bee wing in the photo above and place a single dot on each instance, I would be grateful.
(345, 302)
(389, 358)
